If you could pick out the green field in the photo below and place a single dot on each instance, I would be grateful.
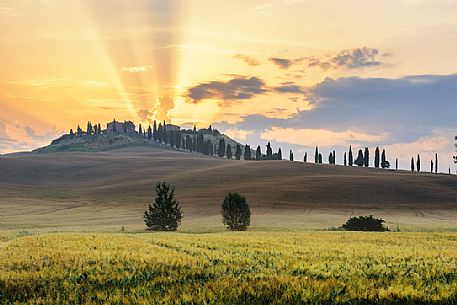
(229, 268)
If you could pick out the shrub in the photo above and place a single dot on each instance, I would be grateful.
(365, 223)
(236, 214)
(165, 213)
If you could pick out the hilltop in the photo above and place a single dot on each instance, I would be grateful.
(110, 189)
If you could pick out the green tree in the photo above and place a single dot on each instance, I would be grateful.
(258, 153)
(221, 148)
(377, 158)
(345, 159)
(351, 157)
(366, 157)
(316, 155)
(236, 215)
(165, 213)
(229, 153)
(155, 134)
(412, 164)
(269, 151)
(247, 152)
(72, 134)
(149, 133)
(384, 162)
(365, 223)
(279, 154)
(319, 159)
(436, 163)
(238, 152)
(418, 162)
(360, 161)
(140, 130)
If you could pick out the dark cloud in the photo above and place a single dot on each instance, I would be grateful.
(285, 63)
(349, 58)
(238, 88)
(289, 87)
(252, 61)
(406, 109)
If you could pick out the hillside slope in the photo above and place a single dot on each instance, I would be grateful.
(109, 189)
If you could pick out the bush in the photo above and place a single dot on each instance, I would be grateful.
(365, 223)
(236, 214)
(165, 214)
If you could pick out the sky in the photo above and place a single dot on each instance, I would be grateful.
(296, 73)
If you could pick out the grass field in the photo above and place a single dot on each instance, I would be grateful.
(103, 191)
(229, 268)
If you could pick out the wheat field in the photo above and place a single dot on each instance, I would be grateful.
(229, 268)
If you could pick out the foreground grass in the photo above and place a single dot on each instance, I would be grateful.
(230, 268)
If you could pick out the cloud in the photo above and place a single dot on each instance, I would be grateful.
(319, 137)
(349, 59)
(137, 69)
(252, 61)
(238, 88)
(48, 136)
(285, 63)
(160, 111)
(146, 115)
(289, 87)
(238, 134)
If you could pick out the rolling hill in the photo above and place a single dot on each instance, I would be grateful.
(110, 189)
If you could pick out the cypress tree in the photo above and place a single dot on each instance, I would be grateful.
(384, 162)
(149, 133)
(178, 139)
(221, 148)
(366, 157)
(316, 155)
(258, 153)
(183, 143)
(436, 163)
(194, 143)
(351, 157)
(155, 134)
(89, 130)
(376, 158)
(269, 152)
(431, 166)
(189, 145)
(319, 159)
(99, 128)
(330, 158)
(396, 164)
(165, 136)
(72, 134)
(279, 154)
(305, 158)
(229, 152)
(291, 156)
(412, 164)
(95, 129)
(238, 152)
(334, 157)
(345, 159)
(418, 167)
(195, 129)
(140, 130)
(172, 138)
(360, 161)
(201, 142)
(247, 152)
(160, 133)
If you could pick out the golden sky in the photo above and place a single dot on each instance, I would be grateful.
(64, 62)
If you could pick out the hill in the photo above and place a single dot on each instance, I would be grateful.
(107, 190)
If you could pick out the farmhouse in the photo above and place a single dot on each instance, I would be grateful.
(171, 127)
(119, 127)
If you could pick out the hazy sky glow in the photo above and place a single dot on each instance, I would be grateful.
(298, 73)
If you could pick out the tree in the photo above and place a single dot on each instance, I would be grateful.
(229, 153)
(351, 157)
(140, 130)
(365, 223)
(201, 144)
(412, 164)
(95, 129)
(316, 155)
(376, 158)
(165, 213)
(99, 128)
(247, 152)
(305, 158)
(431, 166)
(291, 155)
(155, 134)
(236, 215)
(221, 148)
(178, 140)
(195, 129)
(238, 152)
(79, 131)
(384, 162)
(279, 154)
(418, 162)
(269, 152)
(345, 159)
(89, 130)
(436, 163)
(258, 153)
(189, 145)
(172, 138)
(366, 157)
(72, 134)
(330, 158)
(114, 125)
(150, 134)
(360, 161)
(320, 158)
(160, 133)
(334, 157)
(396, 164)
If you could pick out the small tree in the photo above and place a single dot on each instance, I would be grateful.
(418, 162)
(229, 152)
(236, 215)
(165, 213)
(258, 153)
(291, 155)
(412, 164)
(247, 152)
(360, 159)
(366, 157)
(305, 158)
(279, 154)
(376, 158)
(238, 152)
(351, 157)
(365, 223)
